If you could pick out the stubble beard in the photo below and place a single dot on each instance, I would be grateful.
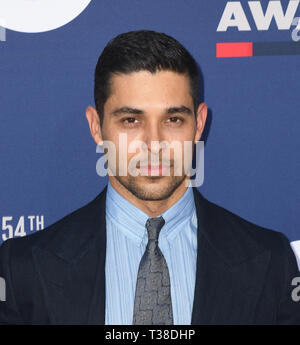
(143, 191)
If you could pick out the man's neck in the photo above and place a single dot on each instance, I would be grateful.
(152, 207)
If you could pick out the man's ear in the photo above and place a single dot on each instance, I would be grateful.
(200, 120)
(94, 124)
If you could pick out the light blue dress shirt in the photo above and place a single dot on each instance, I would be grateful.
(126, 243)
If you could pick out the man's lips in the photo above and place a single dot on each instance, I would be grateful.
(153, 169)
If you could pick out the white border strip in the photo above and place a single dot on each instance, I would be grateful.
(296, 248)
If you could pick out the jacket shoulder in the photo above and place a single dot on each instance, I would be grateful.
(242, 232)
(63, 228)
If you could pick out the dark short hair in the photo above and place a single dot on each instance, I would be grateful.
(143, 50)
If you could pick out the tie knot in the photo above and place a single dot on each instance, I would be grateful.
(153, 226)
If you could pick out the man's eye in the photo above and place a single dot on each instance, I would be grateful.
(129, 120)
(175, 119)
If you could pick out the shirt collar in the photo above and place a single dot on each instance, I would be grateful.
(131, 220)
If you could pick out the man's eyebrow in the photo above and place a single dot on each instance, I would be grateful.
(182, 110)
(126, 110)
(172, 110)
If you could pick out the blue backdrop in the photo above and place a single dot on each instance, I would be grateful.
(48, 159)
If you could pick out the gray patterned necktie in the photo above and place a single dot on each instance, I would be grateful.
(152, 304)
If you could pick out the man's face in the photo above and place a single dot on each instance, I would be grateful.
(152, 107)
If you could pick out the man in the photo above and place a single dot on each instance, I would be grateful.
(149, 249)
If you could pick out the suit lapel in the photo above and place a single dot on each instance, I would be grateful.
(227, 260)
(71, 266)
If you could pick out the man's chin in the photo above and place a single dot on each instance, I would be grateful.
(152, 188)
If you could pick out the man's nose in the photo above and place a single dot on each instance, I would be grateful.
(153, 137)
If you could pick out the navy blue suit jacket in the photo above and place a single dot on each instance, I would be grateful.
(57, 276)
